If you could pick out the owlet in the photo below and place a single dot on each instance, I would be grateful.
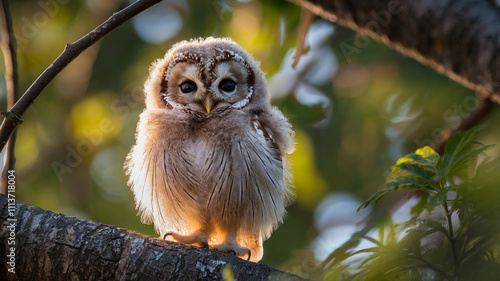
(209, 165)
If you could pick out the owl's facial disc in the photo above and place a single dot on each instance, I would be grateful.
(229, 84)
(184, 87)
(208, 86)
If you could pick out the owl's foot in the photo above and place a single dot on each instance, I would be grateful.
(231, 247)
(196, 238)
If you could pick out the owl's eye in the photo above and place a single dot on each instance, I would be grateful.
(187, 87)
(227, 85)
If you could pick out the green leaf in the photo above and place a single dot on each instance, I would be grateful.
(428, 162)
(422, 204)
(434, 226)
(416, 170)
(460, 141)
(373, 240)
(407, 182)
(440, 196)
(374, 198)
(398, 183)
(367, 250)
(460, 150)
(461, 161)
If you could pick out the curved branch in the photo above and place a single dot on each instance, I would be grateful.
(459, 38)
(71, 51)
(52, 246)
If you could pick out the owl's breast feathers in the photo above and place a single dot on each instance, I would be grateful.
(228, 171)
(236, 134)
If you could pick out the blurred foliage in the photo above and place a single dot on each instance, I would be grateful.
(372, 107)
(453, 232)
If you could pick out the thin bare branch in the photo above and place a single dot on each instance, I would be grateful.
(306, 18)
(8, 46)
(71, 51)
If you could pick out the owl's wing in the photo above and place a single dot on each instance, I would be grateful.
(279, 131)
(260, 172)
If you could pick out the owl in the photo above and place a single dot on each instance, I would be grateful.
(209, 167)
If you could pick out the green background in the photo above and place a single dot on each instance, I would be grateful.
(374, 107)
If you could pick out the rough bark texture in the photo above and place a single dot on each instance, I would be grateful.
(459, 38)
(52, 246)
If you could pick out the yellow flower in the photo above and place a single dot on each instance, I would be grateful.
(425, 151)
(403, 160)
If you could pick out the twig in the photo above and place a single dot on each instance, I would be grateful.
(472, 120)
(8, 46)
(306, 18)
(70, 53)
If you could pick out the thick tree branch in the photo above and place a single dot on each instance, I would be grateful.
(71, 51)
(8, 45)
(459, 38)
(51, 246)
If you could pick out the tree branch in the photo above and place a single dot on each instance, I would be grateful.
(71, 51)
(52, 246)
(8, 45)
(459, 38)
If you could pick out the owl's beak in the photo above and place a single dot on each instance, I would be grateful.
(208, 103)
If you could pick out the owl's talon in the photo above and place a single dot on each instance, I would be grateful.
(204, 244)
(198, 238)
(232, 248)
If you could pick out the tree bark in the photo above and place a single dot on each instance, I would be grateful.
(459, 38)
(52, 246)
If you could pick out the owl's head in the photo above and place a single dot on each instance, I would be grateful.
(206, 76)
